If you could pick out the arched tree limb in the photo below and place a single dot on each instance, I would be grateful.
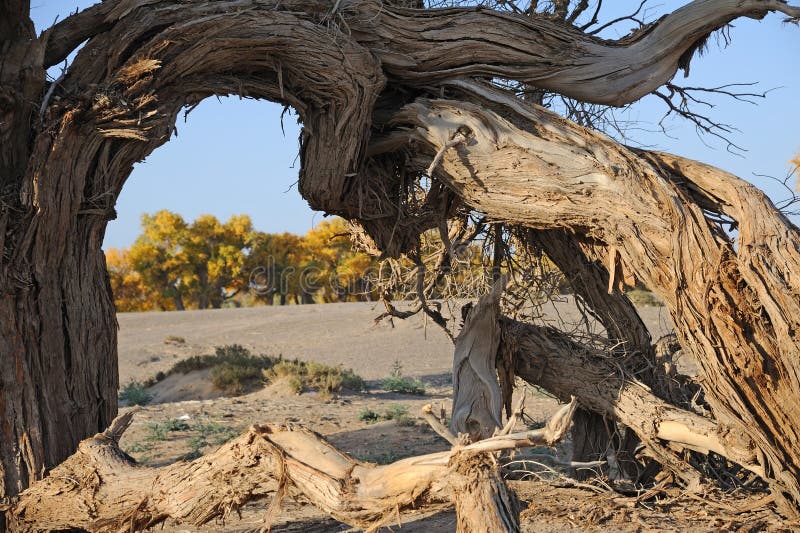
(459, 42)
(57, 325)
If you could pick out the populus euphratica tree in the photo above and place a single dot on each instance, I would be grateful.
(411, 118)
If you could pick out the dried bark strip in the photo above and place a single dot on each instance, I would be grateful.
(477, 399)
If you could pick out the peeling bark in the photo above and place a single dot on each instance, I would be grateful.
(477, 399)
(101, 489)
(732, 310)
(461, 42)
(67, 149)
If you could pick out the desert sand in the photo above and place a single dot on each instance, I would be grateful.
(341, 333)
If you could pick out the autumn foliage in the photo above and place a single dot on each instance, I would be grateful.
(176, 265)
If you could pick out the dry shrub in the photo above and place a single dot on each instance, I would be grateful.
(305, 376)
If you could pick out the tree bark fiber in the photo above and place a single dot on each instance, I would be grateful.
(360, 74)
(477, 398)
(100, 489)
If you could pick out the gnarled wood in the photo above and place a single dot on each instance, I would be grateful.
(67, 149)
(548, 358)
(57, 319)
(101, 489)
(424, 47)
(530, 167)
(477, 399)
(594, 435)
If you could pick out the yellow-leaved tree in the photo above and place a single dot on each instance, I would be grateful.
(215, 255)
(197, 265)
(158, 256)
(178, 265)
(130, 292)
(273, 267)
(333, 270)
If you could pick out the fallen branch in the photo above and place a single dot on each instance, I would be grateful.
(548, 358)
(437, 425)
(101, 489)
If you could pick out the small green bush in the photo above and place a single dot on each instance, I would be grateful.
(236, 378)
(234, 370)
(396, 412)
(135, 393)
(140, 447)
(232, 354)
(397, 382)
(159, 430)
(172, 339)
(210, 434)
(368, 415)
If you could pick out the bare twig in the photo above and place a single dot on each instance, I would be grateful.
(519, 411)
(437, 425)
(457, 139)
(632, 17)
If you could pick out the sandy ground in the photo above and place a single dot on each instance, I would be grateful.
(334, 334)
(188, 418)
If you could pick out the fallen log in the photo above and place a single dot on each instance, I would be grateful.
(101, 489)
(549, 358)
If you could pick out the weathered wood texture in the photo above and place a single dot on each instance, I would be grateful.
(100, 488)
(67, 149)
(58, 342)
(736, 310)
(548, 358)
(477, 399)
(595, 436)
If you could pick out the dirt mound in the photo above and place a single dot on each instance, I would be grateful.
(279, 388)
(178, 387)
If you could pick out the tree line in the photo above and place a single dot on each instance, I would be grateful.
(177, 265)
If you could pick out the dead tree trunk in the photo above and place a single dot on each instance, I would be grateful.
(100, 489)
(57, 323)
(739, 316)
(67, 148)
(66, 154)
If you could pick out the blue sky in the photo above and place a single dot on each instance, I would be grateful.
(231, 156)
